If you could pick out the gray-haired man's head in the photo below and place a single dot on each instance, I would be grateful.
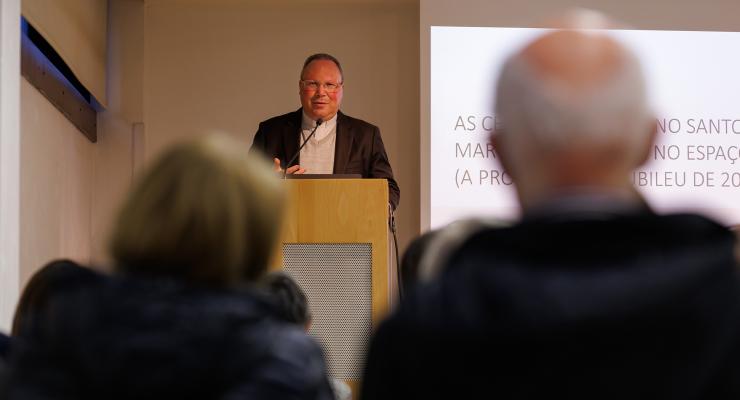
(575, 114)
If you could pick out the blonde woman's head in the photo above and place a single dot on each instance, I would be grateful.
(205, 211)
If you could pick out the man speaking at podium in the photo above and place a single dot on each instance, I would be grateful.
(318, 138)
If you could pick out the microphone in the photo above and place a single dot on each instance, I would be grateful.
(318, 122)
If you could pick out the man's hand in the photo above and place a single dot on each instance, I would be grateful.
(296, 169)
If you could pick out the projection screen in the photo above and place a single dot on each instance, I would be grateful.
(693, 87)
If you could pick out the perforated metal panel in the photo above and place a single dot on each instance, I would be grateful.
(337, 279)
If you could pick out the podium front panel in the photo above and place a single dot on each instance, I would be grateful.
(335, 243)
(337, 279)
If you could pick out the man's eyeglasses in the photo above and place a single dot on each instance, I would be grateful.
(329, 87)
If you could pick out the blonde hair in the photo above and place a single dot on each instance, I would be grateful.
(205, 211)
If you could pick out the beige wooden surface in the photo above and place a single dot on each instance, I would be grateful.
(342, 211)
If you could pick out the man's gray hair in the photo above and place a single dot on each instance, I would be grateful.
(555, 113)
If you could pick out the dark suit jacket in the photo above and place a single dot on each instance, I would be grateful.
(359, 148)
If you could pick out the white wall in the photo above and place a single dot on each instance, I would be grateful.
(57, 189)
(710, 15)
(121, 124)
(70, 188)
(56, 185)
(10, 76)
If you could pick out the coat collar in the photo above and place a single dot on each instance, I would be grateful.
(291, 135)
(344, 143)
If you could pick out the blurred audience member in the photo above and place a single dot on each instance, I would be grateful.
(4, 346)
(293, 305)
(412, 259)
(291, 300)
(428, 253)
(3, 377)
(736, 230)
(184, 319)
(591, 295)
(56, 278)
(37, 302)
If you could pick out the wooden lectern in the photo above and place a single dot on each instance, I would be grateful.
(335, 243)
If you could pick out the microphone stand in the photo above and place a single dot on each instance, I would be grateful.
(318, 122)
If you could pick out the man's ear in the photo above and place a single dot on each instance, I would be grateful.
(649, 143)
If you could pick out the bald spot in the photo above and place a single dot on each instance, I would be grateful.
(581, 61)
